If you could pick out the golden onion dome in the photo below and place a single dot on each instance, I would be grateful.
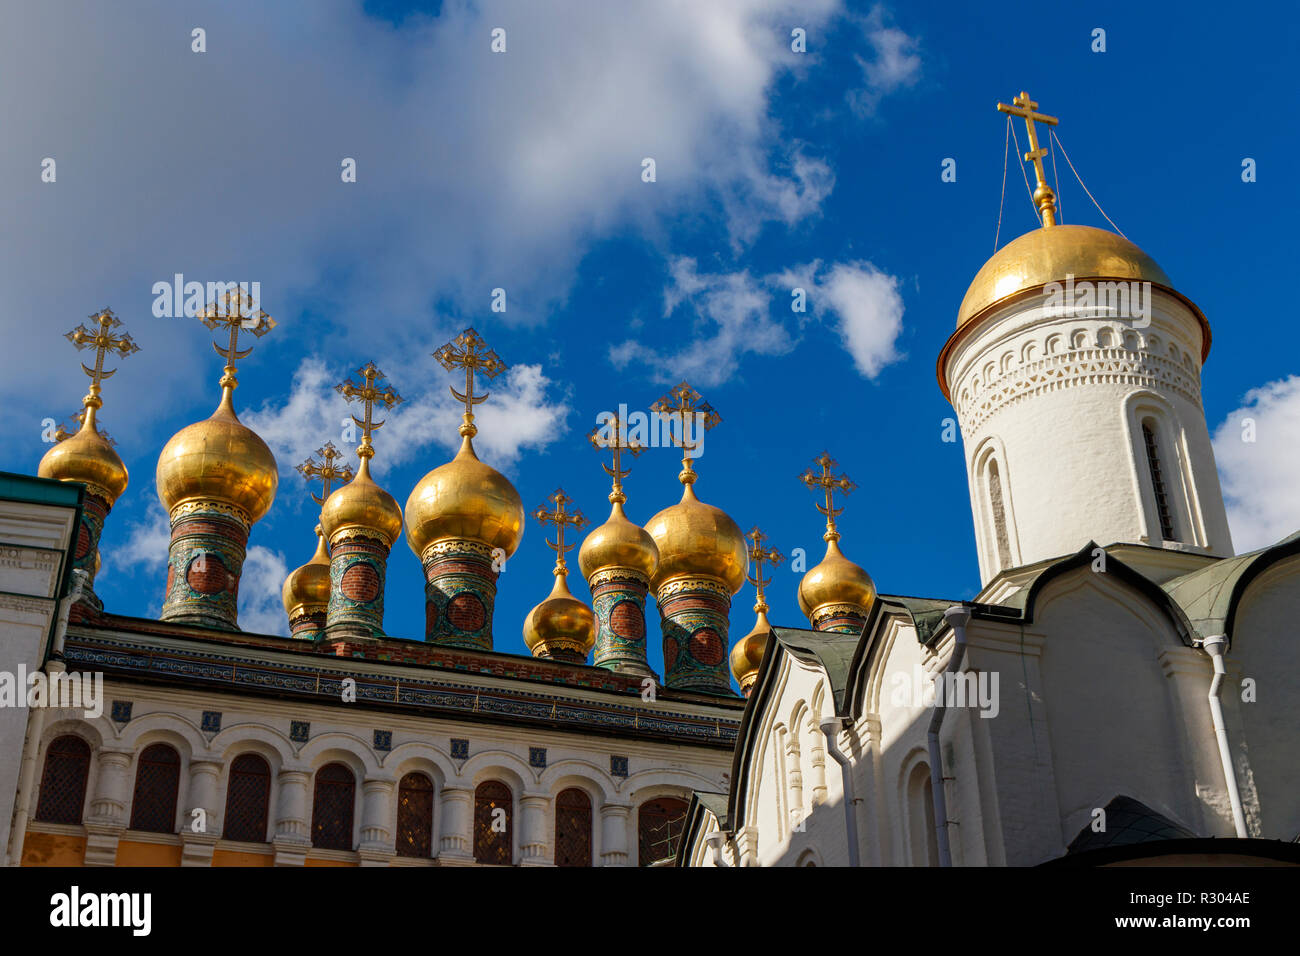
(695, 539)
(218, 459)
(307, 588)
(1049, 255)
(618, 543)
(464, 499)
(362, 504)
(747, 655)
(88, 458)
(836, 580)
(561, 626)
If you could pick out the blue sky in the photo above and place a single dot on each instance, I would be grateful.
(522, 170)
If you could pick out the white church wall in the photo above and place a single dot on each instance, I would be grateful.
(1114, 720)
(1264, 650)
(418, 743)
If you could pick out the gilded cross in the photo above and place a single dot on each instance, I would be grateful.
(683, 403)
(371, 390)
(760, 555)
(561, 519)
(613, 435)
(470, 352)
(830, 483)
(103, 341)
(1043, 195)
(235, 312)
(326, 470)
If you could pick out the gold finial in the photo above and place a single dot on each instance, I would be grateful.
(65, 430)
(230, 313)
(1044, 198)
(103, 341)
(682, 402)
(325, 470)
(470, 352)
(618, 442)
(368, 393)
(561, 519)
(760, 555)
(830, 483)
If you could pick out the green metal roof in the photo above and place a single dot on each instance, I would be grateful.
(1209, 595)
(39, 491)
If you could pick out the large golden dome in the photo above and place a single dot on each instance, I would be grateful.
(220, 460)
(1049, 255)
(362, 504)
(561, 627)
(307, 588)
(88, 458)
(836, 580)
(747, 655)
(618, 543)
(696, 539)
(464, 499)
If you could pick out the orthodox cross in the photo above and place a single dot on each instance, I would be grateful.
(561, 519)
(618, 442)
(326, 470)
(830, 483)
(1043, 195)
(470, 352)
(103, 341)
(760, 555)
(230, 312)
(371, 390)
(682, 403)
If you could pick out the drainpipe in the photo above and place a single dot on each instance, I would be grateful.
(957, 617)
(1214, 646)
(714, 841)
(831, 727)
(36, 727)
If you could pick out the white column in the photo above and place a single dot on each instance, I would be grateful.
(613, 834)
(292, 828)
(199, 844)
(455, 843)
(376, 836)
(108, 804)
(533, 847)
(107, 818)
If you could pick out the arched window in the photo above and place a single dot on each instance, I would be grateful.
(659, 827)
(415, 816)
(1158, 483)
(493, 835)
(920, 812)
(999, 511)
(248, 799)
(63, 782)
(157, 779)
(332, 807)
(573, 828)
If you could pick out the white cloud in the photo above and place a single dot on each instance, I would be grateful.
(1259, 477)
(735, 315)
(521, 415)
(894, 64)
(261, 610)
(147, 543)
(868, 312)
(475, 169)
(732, 318)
